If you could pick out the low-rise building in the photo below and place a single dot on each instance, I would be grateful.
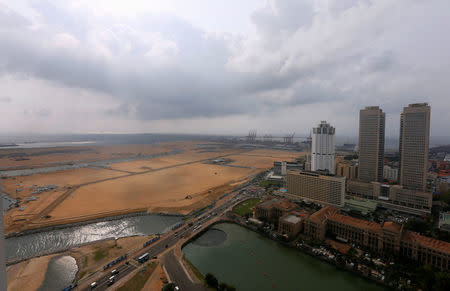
(290, 225)
(361, 189)
(393, 196)
(390, 173)
(272, 209)
(316, 186)
(381, 238)
(347, 169)
(280, 168)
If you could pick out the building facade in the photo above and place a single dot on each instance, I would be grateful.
(414, 146)
(390, 173)
(347, 169)
(371, 144)
(281, 167)
(393, 196)
(272, 209)
(388, 237)
(290, 225)
(318, 187)
(323, 148)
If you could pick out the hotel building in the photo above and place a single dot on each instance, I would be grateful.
(414, 145)
(323, 148)
(319, 187)
(371, 144)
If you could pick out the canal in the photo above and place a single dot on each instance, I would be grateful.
(249, 261)
(37, 243)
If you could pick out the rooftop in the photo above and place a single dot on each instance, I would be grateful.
(359, 223)
(426, 241)
(392, 226)
(324, 213)
(291, 219)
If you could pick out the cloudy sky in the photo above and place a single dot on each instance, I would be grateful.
(205, 66)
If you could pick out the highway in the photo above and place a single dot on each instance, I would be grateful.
(124, 270)
(173, 267)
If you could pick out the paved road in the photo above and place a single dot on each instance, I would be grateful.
(178, 275)
(173, 267)
(124, 270)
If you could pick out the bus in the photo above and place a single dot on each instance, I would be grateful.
(144, 258)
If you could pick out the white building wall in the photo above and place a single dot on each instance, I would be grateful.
(323, 148)
(390, 173)
(283, 168)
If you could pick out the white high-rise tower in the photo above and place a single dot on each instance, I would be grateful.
(323, 148)
(2, 250)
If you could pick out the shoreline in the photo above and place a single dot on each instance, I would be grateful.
(287, 245)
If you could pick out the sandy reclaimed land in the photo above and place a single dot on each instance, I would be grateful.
(275, 153)
(189, 155)
(59, 178)
(32, 208)
(41, 157)
(144, 165)
(62, 179)
(164, 188)
(263, 159)
(27, 275)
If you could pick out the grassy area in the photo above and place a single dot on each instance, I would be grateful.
(100, 254)
(244, 207)
(138, 281)
(267, 184)
(82, 274)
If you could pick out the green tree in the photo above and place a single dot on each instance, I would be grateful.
(211, 280)
(169, 287)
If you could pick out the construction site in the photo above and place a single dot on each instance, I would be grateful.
(177, 183)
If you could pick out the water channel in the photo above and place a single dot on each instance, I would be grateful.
(250, 261)
(38, 243)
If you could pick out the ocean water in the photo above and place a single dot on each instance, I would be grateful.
(34, 141)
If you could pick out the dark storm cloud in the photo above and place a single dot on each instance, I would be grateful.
(195, 85)
(159, 66)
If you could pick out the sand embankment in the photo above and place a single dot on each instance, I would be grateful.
(27, 275)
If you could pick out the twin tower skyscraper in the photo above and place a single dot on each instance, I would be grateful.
(413, 146)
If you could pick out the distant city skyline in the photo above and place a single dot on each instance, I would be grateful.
(206, 67)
